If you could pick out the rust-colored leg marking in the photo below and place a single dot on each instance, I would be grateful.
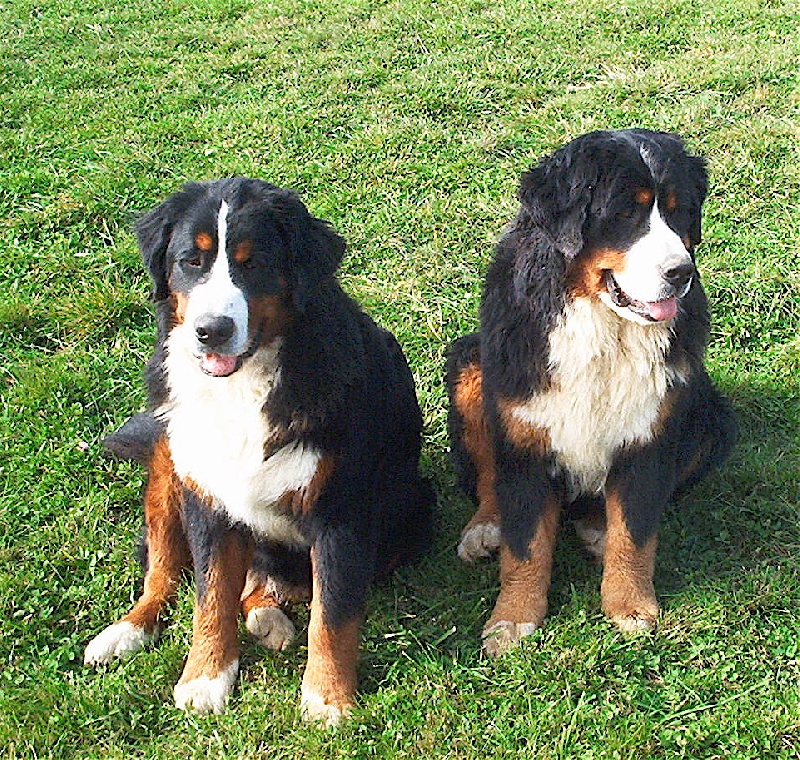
(329, 681)
(627, 592)
(212, 665)
(481, 536)
(167, 555)
(522, 604)
(167, 550)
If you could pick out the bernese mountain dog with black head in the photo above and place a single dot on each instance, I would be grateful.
(282, 443)
(585, 390)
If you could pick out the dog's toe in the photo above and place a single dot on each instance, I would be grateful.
(207, 695)
(500, 637)
(479, 541)
(637, 622)
(118, 640)
(315, 709)
(271, 627)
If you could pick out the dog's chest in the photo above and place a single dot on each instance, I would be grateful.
(217, 431)
(609, 379)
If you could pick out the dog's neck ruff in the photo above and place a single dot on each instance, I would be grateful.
(609, 377)
(217, 429)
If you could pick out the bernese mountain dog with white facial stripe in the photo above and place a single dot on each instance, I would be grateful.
(282, 445)
(585, 390)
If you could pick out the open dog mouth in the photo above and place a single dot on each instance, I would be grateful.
(655, 311)
(222, 365)
(219, 365)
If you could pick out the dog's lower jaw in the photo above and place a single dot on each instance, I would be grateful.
(207, 695)
(314, 708)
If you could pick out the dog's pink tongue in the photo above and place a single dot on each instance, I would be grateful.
(663, 310)
(218, 365)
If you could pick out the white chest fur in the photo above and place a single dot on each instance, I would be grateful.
(609, 380)
(217, 431)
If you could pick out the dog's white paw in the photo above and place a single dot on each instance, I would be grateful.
(504, 635)
(207, 695)
(479, 541)
(118, 640)
(636, 622)
(271, 627)
(315, 709)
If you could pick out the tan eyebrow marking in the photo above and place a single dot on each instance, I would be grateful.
(204, 241)
(243, 251)
(643, 195)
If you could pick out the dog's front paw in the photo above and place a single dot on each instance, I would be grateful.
(271, 627)
(498, 638)
(316, 709)
(204, 694)
(479, 541)
(637, 620)
(118, 640)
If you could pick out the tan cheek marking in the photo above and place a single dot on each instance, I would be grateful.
(271, 315)
(585, 276)
(181, 303)
(204, 241)
(243, 251)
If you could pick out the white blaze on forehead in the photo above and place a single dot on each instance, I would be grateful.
(218, 294)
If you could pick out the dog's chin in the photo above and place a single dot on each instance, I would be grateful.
(643, 312)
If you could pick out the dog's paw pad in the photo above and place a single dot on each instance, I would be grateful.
(207, 695)
(271, 627)
(479, 541)
(315, 709)
(504, 635)
(118, 640)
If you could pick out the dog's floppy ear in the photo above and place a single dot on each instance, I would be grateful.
(556, 194)
(154, 231)
(316, 249)
(699, 181)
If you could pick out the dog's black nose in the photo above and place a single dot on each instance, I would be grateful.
(213, 330)
(679, 276)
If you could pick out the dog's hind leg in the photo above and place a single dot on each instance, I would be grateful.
(167, 556)
(265, 619)
(472, 449)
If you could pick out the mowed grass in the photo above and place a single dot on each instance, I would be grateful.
(406, 124)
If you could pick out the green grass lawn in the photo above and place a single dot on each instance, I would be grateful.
(406, 123)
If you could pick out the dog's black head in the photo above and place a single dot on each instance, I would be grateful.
(623, 209)
(235, 259)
